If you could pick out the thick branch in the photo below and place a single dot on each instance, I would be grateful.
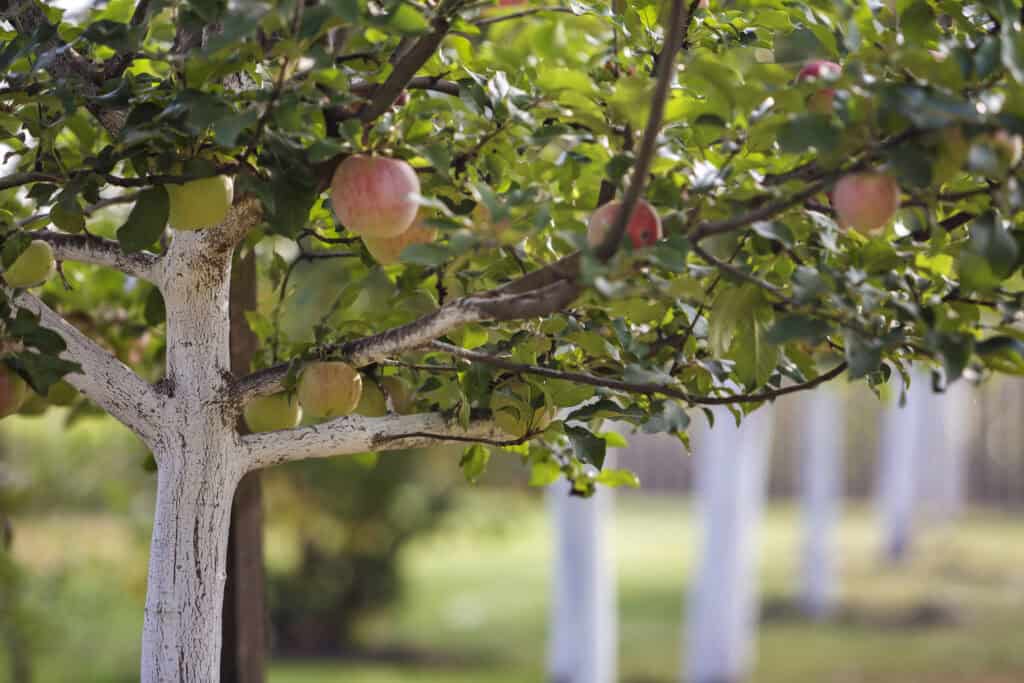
(101, 252)
(646, 388)
(104, 379)
(358, 434)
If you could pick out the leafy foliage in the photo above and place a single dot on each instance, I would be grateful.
(518, 124)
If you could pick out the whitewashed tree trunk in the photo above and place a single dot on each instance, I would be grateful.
(945, 452)
(822, 432)
(722, 606)
(899, 458)
(583, 636)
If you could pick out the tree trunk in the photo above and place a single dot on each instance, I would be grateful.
(722, 610)
(897, 471)
(181, 635)
(244, 629)
(583, 639)
(823, 433)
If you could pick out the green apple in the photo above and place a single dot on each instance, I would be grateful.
(32, 267)
(33, 405)
(372, 402)
(401, 393)
(329, 389)
(200, 203)
(270, 413)
(13, 391)
(61, 394)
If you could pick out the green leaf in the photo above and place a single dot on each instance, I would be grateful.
(864, 356)
(616, 478)
(474, 462)
(795, 326)
(146, 222)
(586, 447)
(407, 20)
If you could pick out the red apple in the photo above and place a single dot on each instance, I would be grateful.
(821, 101)
(644, 227)
(866, 201)
(371, 195)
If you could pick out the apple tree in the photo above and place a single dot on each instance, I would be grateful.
(789, 193)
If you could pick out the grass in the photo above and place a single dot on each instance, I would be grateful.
(477, 593)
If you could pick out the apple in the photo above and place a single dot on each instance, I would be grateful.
(482, 221)
(32, 267)
(33, 405)
(644, 227)
(329, 389)
(12, 391)
(200, 203)
(270, 413)
(61, 394)
(388, 250)
(400, 392)
(372, 402)
(371, 195)
(821, 101)
(866, 201)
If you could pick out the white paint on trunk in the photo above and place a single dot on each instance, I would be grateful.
(583, 637)
(822, 432)
(731, 475)
(899, 457)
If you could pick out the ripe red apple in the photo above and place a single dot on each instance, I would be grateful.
(329, 389)
(821, 101)
(644, 227)
(371, 195)
(866, 201)
(388, 250)
(12, 391)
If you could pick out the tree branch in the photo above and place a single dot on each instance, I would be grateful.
(645, 388)
(104, 379)
(358, 434)
(676, 27)
(101, 252)
(522, 13)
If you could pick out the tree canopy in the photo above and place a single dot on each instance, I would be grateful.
(520, 119)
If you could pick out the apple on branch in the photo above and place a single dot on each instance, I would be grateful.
(866, 201)
(372, 401)
(12, 391)
(388, 250)
(33, 266)
(821, 101)
(200, 203)
(643, 230)
(372, 196)
(329, 390)
(271, 413)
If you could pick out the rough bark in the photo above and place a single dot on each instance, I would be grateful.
(244, 628)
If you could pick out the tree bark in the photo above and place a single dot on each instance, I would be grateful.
(244, 627)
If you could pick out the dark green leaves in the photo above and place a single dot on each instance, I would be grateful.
(474, 462)
(147, 220)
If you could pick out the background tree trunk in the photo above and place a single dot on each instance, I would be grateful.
(583, 639)
(897, 470)
(731, 476)
(244, 627)
(822, 438)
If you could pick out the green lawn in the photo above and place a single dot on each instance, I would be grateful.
(477, 593)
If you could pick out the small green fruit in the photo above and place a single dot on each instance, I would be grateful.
(12, 391)
(271, 413)
(32, 267)
(372, 402)
(61, 394)
(200, 203)
(330, 389)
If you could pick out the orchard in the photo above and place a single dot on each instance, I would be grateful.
(535, 219)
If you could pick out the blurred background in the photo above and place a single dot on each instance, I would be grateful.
(835, 537)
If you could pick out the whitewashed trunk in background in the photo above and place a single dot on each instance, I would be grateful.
(732, 466)
(947, 437)
(900, 447)
(822, 435)
(583, 638)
